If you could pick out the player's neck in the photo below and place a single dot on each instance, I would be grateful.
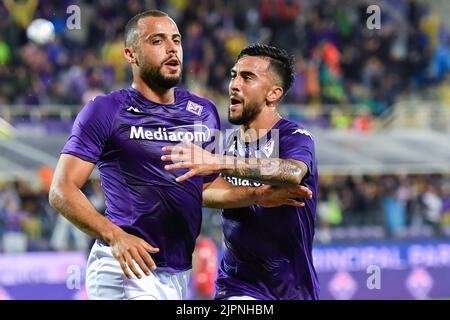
(259, 127)
(157, 95)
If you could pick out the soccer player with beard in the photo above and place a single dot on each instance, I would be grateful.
(268, 251)
(146, 239)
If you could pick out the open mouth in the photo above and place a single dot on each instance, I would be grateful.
(172, 63)
(234, 103)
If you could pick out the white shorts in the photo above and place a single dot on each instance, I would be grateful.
(240, 298)
(105, 280)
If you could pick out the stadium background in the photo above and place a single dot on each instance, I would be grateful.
(377, 102)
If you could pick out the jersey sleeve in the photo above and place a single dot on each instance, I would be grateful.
(298, 144)
(213, 145)
(91, 130)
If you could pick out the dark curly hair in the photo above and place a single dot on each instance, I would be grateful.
(280, 61)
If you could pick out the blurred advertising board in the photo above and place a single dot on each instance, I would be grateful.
(42, 276)
(388, 270)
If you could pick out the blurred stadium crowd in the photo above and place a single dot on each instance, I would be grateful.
(351, 208)
(339, 61)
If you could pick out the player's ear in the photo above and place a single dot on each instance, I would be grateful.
(130, 55)
(274, 94)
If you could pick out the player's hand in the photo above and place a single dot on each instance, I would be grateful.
(128, 249)
(272, 196)
(190, 156)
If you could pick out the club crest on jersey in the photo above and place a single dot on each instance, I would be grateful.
(231, 149)
(194, 108)
(268, 148)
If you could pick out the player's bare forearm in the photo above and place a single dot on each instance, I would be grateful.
(237, 197)
(76, 208)
(66, 197)
(274, 171)
(221, 194)
(71, 174)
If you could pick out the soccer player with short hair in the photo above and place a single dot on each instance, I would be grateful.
(268, 251)
(146, 239)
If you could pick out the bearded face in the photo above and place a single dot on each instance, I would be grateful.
(242, 112)
(166, 74)
(158, 52)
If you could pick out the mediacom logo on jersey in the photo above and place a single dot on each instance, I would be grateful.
(200, 133)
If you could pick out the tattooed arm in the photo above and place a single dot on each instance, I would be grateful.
(274, 171)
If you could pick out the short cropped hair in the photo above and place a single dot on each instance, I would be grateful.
(280, 61)
(131, 26)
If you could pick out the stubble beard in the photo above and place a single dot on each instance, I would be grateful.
(249, 113)
(152, 75)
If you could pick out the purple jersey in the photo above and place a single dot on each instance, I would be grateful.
(268, 252)
(123, 133)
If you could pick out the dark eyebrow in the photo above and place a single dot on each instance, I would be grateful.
(162, 35)
(248, 73)
(243, 73)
